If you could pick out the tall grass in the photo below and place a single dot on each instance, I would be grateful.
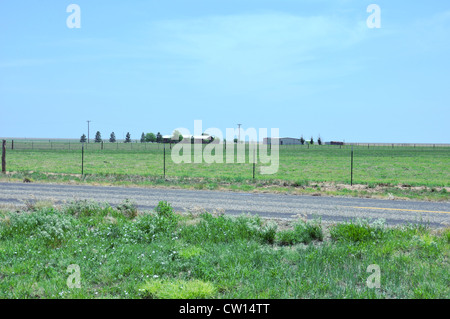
(125, 253)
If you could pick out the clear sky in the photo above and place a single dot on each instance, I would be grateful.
(309, 68)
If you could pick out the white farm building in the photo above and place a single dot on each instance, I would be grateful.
(281, 140)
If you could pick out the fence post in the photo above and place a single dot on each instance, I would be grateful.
(82, 159)
(351, 169)
(12, 144)
(164, 160)
(254, 161)
(4, 157)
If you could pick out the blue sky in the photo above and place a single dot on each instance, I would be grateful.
(306, 67)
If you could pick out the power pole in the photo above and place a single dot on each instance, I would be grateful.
(88, 129)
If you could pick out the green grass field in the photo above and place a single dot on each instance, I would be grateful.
(422, 172)
(119, 252)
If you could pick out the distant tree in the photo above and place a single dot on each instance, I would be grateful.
(159, 137)
(302, 140)
(176, 136)
(127, 138)
(150, 137)
(98, 137)
(143, 137)
(319, 141)
(83, 139)
(112, 138)
(235, 140)
(311, 141)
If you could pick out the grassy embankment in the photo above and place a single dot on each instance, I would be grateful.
(402, 172)
(123, 253)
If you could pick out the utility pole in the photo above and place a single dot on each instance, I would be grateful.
(239, 137)
(88, 129)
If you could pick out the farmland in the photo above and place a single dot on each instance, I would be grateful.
(405, 172)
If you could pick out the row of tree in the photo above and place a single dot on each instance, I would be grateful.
(145, 138)
(152, 138)
(311, 141)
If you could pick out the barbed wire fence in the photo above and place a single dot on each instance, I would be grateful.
(350, 168)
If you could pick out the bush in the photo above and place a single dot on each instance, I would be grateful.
(83, 208)
(228, 229)
(286, 237)
(303, 232)
(357, 231)
(164, 209)
(447, 235)
(48, 225)
(268, 233)
(166, 219)
(128, 209)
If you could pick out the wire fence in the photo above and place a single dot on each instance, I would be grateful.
(138, 146)
(355, 163)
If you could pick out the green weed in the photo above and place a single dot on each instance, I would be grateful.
(302, 232)
(177, 289)
(357, 231)
(163, 254)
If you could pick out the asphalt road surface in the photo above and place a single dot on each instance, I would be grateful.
(328, 209)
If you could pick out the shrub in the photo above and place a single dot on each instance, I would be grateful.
(149, 226)
(357, 231)
(311, 230)
(268, 233)
(128, 209)
(228, 229)
(48, 225)
(164, 209)
(286, 237)
(83, 208)
(303, 232)
(447, 235)
(166, 219)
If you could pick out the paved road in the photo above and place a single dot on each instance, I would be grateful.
(329, 209)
